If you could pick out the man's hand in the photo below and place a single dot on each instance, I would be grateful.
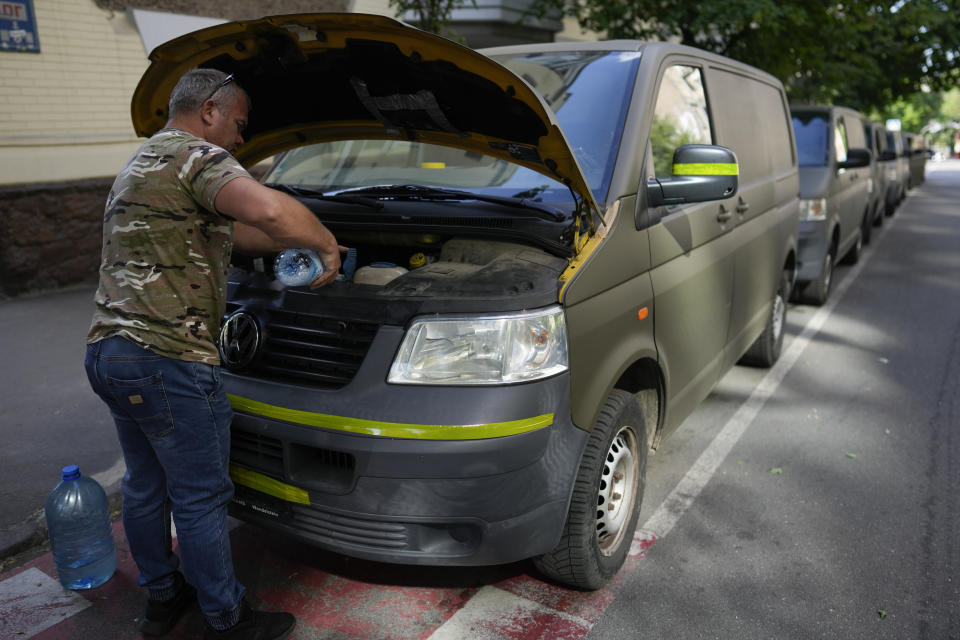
(331, 267)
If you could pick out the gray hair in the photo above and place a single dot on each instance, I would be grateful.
(199, 85)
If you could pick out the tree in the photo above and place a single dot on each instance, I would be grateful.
(434, 15)
(914, 112)
(860, 53)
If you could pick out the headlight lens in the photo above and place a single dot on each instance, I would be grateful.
(813, 209)
(474, 350)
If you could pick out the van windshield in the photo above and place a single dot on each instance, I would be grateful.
(589, 92)
(812, 131)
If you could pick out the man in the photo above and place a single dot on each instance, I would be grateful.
(172, 217)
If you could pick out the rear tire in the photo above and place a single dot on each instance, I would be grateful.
(606, 499)
(765, 351)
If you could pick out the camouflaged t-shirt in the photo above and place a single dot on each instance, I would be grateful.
(165, 249)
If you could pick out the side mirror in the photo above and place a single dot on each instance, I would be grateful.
(856, 158)
(701, 173)
(888, 155)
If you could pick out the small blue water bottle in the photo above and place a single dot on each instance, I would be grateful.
(78, 518)
(298, 267)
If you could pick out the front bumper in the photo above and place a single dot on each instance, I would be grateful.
(404, 495)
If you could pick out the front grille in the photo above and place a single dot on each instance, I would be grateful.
(309, 349)
(259, 452)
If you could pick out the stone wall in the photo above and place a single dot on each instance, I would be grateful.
(50, 235)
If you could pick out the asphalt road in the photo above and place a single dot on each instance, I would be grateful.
(837, 513)
(818, 499)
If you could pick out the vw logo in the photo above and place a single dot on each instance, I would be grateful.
(239, 340)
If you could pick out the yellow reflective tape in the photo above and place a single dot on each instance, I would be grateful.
(266, 484)
(392, 429)
(433, 165)
(706, 169)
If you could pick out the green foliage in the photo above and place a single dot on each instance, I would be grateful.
(950, 109)
(433, 15)
(859, 53)
(665, 137)
(914, 111)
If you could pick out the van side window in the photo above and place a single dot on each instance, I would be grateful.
(680, 116)
(840, 141)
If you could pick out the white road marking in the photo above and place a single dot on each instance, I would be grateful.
(683, 495)
(32, 601)
(494, 614)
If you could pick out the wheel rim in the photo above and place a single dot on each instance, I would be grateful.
(827, 271)
(619, 479)
(779, 314)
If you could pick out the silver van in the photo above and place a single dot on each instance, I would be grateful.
(561, 248)
(834, 193)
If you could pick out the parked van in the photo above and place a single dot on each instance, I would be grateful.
(898, 171)
(835, 203)
(877, 186)
(581, 239)
(916, 153)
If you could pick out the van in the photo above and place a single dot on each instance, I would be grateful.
(877, 185)
(835, 203)
(898, 171)
(560, 249)
(915, 150)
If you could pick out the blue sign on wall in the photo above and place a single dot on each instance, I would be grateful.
(18, 26)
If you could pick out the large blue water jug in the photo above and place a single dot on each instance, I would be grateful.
(78, 517)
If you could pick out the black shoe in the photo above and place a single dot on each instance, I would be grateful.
(163, 615)
(255, 625)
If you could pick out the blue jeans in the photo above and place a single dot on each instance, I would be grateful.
(173, 422)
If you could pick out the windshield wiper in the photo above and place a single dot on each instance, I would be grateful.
(306, 192)
(420, 192)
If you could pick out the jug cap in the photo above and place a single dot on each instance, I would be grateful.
(70, 472)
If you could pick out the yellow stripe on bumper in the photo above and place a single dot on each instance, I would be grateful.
(392, 429)
(268, 485)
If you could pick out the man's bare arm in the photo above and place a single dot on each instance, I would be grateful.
(281, 218)
(250, 240)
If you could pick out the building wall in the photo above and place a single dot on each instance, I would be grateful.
(65, 112)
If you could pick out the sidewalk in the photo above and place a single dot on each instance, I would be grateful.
(49, 417)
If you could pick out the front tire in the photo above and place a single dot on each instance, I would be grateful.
(818, 291)
(853, 255)
(606, 499)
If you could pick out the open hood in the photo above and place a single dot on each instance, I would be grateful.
(325, 76)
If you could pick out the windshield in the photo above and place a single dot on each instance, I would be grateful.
(588, 90)
(811, 131)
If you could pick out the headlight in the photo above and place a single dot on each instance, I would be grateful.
(501, 349)
(892, 174)
(813, 209)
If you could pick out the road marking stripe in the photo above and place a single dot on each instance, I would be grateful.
(493, 614)
(32, 601)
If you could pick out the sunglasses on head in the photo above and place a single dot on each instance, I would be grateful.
(221, 85)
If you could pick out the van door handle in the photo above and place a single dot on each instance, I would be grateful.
(723, 215)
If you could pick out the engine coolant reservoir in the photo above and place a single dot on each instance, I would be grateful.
(378, 273)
